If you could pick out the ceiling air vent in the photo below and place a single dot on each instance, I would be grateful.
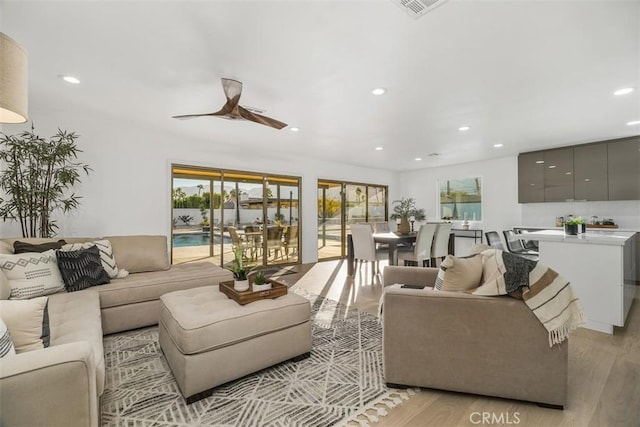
(418, 8)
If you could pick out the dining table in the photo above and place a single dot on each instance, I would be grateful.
(392, 240)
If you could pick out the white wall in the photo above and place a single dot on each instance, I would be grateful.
(129, 190)
(500, 208)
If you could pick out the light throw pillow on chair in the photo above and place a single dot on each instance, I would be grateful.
(6, 345)
(27, 322)
(32, 274)
(461, 273)
(106, 256)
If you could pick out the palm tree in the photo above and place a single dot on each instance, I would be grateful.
(200, 188)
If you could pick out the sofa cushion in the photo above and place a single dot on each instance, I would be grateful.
(150, 286)
(204, 319)
(9, 241)
(76, 317)
(138, 254)
(32, 274)
(462, 273)
(6, 344)
(81, 269)
(28, 323)
(20, 247)
(106, 256)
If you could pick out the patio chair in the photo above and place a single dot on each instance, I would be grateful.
(291, 240)
(237, 241)
(274, 241)
(381, 227)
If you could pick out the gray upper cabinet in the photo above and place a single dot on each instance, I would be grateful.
(558, 175)
(624, 169)
(590, 172)
(531, 177)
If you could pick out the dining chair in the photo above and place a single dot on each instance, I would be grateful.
(421, 254)
(364, 247)
(531, 245)
(381, 227)
(493, 239)
(440, 247)
(514, 245)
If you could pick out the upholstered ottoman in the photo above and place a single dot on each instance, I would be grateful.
(209, 339)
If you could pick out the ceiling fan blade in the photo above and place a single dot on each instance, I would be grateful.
(192, 116)
(232, 88)
(263, 120)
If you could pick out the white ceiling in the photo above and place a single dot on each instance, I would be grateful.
(527, 74)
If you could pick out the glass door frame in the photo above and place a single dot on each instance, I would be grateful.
(217, 175)
(343, 209)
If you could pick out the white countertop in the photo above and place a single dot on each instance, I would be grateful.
(592, 236)
(608, 230)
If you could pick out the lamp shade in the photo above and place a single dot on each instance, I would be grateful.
(13, 81)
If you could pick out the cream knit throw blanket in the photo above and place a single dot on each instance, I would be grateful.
(545, 292)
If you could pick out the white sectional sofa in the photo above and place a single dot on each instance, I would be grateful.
(61, 385)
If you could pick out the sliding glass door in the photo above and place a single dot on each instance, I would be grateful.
(341, 204)
(216, 211)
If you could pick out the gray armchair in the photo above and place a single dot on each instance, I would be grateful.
(492, 346)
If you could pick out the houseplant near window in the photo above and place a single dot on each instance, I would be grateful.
(36, 179)
(573, 225)
(404, 209)
(260, 283)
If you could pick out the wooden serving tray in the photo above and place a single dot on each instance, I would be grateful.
(245, 297)
(601, 226)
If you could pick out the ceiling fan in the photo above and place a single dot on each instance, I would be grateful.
(231, 110)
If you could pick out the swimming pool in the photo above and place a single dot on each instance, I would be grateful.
(196, 239)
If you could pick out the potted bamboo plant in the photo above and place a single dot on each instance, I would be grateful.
(240, 271)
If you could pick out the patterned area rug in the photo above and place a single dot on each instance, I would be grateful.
(341, 383)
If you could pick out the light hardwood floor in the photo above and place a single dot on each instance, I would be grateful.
(604, 370)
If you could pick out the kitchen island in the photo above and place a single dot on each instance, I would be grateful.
(601, 267)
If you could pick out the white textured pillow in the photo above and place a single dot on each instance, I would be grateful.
(6, 345)
(107, 259)
(27, 322)
(32, 274)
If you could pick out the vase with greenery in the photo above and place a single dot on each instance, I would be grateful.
(37, 177)
(240, 271)
(404, 209)
(574, 225)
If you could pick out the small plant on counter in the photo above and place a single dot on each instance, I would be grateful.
(575, 221)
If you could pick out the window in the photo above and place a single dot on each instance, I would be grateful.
(461, 199)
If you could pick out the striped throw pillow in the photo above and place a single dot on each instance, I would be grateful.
(6, 345)
(32, 274)
(106, 256)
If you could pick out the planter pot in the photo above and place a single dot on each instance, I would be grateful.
(403, 227)
(571, 230)
(259, 288)
(241, 285)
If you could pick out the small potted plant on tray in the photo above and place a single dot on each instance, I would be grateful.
(260, 283)
(240, 271)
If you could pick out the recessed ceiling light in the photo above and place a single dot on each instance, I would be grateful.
(417, 159)
(633, 123)
(567, 173)
(294, 129)
(552, 166)
(378, 148)
(379, 91)
(498, 145)
(625, 91)
(464, 128)
(70, 79)
(539, 162)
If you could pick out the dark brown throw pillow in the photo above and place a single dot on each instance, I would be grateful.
(81, 269)
(24, 247)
